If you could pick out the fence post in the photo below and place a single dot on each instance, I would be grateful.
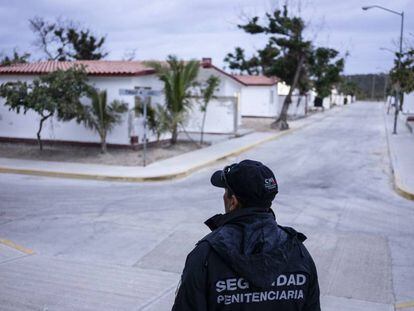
(236, 114)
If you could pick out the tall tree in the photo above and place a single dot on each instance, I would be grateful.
(304, 86)
(284, 55)
(16, 58)
(348, 87)
(56, 93)
(179, 79)
(402, 79)
(325, 69)
(238, 61)
(65, 40)
(402, 76)
(102, 116)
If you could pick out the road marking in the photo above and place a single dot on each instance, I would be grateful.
(16, 246)
(403, 305)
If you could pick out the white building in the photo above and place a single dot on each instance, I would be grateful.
(222, 116)
(408, 104)
(223, 113)
(259, 96)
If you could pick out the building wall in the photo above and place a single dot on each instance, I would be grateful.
(408, 105)
(259, 101)
(326, 102)
(220, 118)
(298, 105)
(26, 125)
(283, 88)
(221, 112)
(228, 87)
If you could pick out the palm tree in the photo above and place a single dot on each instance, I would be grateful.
(101, 117)
(178, 78)
(207, 94)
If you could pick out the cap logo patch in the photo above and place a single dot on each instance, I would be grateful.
(270, 183)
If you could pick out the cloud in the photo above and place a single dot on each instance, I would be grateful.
(193, 29)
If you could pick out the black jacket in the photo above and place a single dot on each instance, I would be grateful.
(248, 262)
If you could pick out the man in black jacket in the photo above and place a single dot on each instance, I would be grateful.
(248, 261)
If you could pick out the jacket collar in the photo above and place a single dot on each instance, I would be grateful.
(219, 220)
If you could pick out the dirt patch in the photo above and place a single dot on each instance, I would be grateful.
(93, 155)
(258, 124)
(263, 124)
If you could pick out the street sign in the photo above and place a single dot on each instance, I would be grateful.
(145, 94)
(142, 92)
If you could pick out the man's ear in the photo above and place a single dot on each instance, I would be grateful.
(234, 203)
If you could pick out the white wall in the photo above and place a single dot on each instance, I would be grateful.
(71, 131)
(25, 126)
(228, 87)
(282, 88)
(220, 118)
(259, 101)
(326, 102)
(408, 105)
(221, 113)
(294, 108)
(339, 98)
(311, 100)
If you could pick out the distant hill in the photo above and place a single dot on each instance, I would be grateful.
(371, 86)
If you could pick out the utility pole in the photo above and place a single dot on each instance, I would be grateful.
(399, 92)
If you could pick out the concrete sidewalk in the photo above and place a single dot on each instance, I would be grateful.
(171, 168)
(401, 149)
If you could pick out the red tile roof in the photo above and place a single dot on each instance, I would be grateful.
(256, 80)
(92, 67)
(118, 68)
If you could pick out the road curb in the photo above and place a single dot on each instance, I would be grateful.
(161, 177)
(398, 187)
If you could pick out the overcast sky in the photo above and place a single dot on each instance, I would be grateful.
(208, 28)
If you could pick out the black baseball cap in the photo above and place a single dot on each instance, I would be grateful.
(251, 181)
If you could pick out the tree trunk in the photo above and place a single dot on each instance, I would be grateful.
(281, 121)
(103, 147)
(298, 101)
(39, 139)
(398, 107)
(306, 105)
(103, 144)
(395, 119)
(202, 126)
(189, 137)
(174, 134)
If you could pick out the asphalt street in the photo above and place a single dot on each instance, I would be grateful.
(90, 245)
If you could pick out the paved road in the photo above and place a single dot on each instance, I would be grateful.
(117, 246)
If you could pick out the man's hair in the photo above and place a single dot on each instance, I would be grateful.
(230, 193)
